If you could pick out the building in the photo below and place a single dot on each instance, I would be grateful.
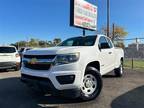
(134, 51)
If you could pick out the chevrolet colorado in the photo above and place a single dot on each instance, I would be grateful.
(73, 68)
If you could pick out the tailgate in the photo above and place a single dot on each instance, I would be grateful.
(7, 57)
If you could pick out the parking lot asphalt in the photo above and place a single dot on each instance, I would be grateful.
(125, 92)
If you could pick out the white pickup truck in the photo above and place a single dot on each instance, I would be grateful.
(73, 68)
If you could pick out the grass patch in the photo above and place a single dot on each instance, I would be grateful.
(137, 64)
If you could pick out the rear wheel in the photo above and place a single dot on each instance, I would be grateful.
(92, 84)
(119, 71)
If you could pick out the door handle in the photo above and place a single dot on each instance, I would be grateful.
(110, 52)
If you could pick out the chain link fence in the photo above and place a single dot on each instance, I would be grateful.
(134, 53)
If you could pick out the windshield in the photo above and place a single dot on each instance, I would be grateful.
(7, 50)
(79, 41)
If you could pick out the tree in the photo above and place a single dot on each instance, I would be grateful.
(43, 43)
(33, 43)
(119, 34)
(37, 43)
(19, 44)
(56, 41)
(120, 44)
(50, 43)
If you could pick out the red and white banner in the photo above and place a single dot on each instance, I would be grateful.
(84, 15)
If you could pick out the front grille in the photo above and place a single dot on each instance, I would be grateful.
(46, 61)
(40, 56)
(38, 66)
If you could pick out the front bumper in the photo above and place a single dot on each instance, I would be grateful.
(47, 85)
(52, 76)
(69, 70)
(8, 65)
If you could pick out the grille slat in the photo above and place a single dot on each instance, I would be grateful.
(37, 65)
(40, 56)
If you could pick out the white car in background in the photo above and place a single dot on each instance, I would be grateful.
(9, 58)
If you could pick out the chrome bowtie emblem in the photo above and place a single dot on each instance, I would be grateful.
(33, 61)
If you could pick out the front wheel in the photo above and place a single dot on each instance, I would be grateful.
(92, 84)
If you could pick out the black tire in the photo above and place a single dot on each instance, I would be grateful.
(94, 72)
(119, 71)
(17, 68)
(3, 70)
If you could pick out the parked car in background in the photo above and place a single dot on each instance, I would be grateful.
(9, 58)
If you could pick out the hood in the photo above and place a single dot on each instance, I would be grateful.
(56, 50)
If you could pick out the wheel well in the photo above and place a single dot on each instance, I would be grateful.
(122, 59)
(95, 64)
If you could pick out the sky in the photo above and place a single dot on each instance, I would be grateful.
(47, 19)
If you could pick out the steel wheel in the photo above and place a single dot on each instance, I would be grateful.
(89, 84)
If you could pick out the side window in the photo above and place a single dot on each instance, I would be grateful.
(110, 43)
(103, 43)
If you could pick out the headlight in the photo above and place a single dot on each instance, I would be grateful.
(66, 58)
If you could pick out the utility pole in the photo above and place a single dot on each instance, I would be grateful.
(113, 33)
(108, 17)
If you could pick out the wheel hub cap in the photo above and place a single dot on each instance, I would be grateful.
(89, 84)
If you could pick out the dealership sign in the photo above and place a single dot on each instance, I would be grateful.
(83, 14)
